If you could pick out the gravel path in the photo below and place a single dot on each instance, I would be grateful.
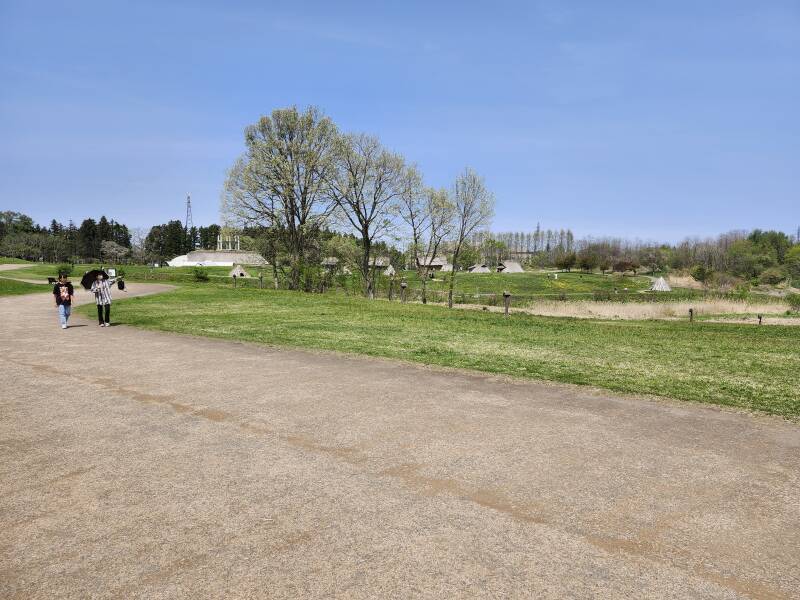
(137, 464)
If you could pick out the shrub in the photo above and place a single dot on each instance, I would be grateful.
(741, 292)
(772, 276)
(701, 273)
(601, 295)
(794, 301)
(65, 270)
(200, 274)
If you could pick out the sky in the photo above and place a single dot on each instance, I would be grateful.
(648, 120)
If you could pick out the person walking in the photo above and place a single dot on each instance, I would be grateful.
(64, 293)
(102, 294)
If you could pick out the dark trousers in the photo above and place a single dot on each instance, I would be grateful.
(103, 308)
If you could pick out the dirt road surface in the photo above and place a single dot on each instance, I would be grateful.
(137, 464)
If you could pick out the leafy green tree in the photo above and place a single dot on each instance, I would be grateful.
(792, 263)
(469, 254)
(588, 260)
(281, 181)
(747, 259)
(154, 244)
(775, 243)
(566, 261)
(15, 222)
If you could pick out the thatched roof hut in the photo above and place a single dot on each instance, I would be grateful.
(479, 268)
(660, 285)
(510, 266)
(238, 271)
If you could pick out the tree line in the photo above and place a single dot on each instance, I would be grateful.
(756, 256)
(20, 237)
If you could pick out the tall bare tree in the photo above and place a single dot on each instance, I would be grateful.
(428, 213)
(366, 185)
(281, 180)
(473, 209)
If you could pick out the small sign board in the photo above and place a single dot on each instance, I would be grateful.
(111, 272)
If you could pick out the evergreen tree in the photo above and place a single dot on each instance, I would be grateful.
(88, 242)
(103, 230)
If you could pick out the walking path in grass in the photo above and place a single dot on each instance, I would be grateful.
(5, 273)
(144, 464)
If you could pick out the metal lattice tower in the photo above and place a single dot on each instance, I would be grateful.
(188, 224)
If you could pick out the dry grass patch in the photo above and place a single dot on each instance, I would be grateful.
(589, 309)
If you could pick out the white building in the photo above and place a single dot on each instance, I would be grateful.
(217, 258)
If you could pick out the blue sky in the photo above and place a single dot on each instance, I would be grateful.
(653, 120)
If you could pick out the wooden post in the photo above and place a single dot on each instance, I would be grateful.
(403, 286)
(260, 280)
(506, 301)
(691, 315)
(759, 319)
(391, 288)
(234, 282)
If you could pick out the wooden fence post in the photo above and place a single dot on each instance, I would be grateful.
(403, 286)
(260, 280)
(691, 315)
(506, 301)
(759, 319)
(234, 282)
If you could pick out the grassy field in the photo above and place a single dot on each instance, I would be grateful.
(132, 272)
(538, 283)
(9, 287)
(469, 287)
(5, 260)
(728, 364)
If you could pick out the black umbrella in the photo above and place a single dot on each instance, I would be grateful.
(91, 276)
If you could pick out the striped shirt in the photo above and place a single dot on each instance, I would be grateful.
(102, 291)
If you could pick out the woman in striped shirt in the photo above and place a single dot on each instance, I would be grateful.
(102, 295)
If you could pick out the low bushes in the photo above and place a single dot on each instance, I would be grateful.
(772, 276)
(199, 274)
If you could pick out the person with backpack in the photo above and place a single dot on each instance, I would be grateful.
(64, 294)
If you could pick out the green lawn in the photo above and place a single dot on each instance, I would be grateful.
(9, 287)
(728, 364)
(468, 285)
(536, 283)
(132, 272)
(5, 260)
